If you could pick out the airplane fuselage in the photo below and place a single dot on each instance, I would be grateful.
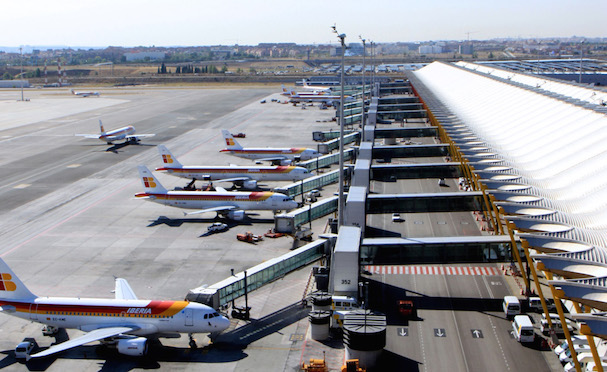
(149, 317)
(265, 153)
(117, 134)
(277, 173)
(257, 200)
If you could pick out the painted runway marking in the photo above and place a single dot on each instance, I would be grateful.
(22, 186)
(431, 270)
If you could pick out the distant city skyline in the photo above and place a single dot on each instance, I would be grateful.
(196, 23)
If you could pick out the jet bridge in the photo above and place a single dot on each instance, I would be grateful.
(220, 294)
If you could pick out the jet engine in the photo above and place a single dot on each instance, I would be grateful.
(237, 215)
(136, 346)
(285, 162)
(249, 184)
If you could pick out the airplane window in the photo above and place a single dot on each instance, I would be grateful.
(216, 313)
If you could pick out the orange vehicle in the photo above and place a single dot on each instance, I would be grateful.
(406, 308)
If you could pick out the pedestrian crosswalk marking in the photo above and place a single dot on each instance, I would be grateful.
(431, 270)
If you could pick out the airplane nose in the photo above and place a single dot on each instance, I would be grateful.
(224, 323)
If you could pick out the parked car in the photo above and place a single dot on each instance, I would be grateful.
(239, 135)
(396, 217)
(217, 226)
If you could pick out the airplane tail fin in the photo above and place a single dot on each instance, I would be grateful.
(230, 141)
(168, 158)
(150, 183)
(304, 83)
(11, 287)
(284, 89)
(101, 129)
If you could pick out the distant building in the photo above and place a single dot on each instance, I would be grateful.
(466, 48)
(142, 56)
(14, 83)
(430, 49)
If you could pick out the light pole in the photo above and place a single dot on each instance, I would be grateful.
(21, 74)
(341, 201)
(581, 57)
(362, 118)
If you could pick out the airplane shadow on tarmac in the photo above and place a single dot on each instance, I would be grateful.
(176, 222)
(113, 361)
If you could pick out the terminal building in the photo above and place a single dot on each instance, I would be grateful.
(462, 164)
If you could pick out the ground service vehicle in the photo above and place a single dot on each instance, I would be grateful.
(511, 306)
(523, 328)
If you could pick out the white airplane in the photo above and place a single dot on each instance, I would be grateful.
(288, 92)
(324, 98)
(246, 177)
(230, 204)
(316, 88)
(124, 321)
(273, 154)
(85, 94)
(125, 133)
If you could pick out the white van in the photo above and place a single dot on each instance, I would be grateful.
(511, 306)
(556, 323)
(523, 328)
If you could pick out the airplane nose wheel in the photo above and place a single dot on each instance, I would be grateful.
(193, 344)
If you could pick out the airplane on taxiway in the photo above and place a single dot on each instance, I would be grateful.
(85, 94)
(124, 321)
(231, 204)
(282, 155)
(246, 177)
(125, 133)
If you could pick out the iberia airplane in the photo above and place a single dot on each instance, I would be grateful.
(316, 88)
(231, 204)
(325, 98)
(287, 92)
(125, 133)
(246, 177)
(124, 321)
(273, 154)
(85, 94)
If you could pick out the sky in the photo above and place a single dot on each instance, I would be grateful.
(128, 23)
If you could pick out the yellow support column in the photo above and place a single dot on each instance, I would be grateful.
(538, 285)
(511, 227)
(557, 295)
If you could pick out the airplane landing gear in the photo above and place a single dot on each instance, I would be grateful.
(193, 344)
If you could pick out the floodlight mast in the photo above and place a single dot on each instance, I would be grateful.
(341, 201)
(362, 118)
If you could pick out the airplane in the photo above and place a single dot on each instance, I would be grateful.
(85, 94)
(246, 177)
(124, 321)
(282, 155)
(316, 88)
(125, 133)
(230, 204)
(324, 98)
(288, 92)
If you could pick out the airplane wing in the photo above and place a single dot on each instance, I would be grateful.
(94, 136)
(8, 308)
(123, 290)
(235, 179)
(95, 335)
(214, 209)
(272, 158)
